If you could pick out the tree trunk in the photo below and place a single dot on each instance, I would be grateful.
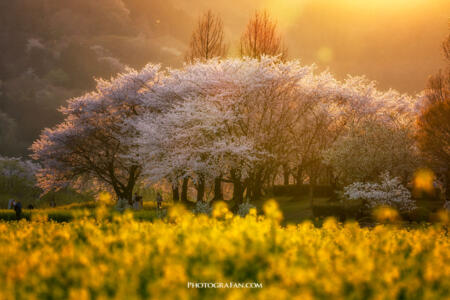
(286, 175)
(238, 189)
(218, 195)
(200, 188)
(184, 190)
(447, 187)
(255, 188)
(299, 176)
(129, 195)
(134, 171)
(334, 186)
(238, 192)
(257, 193)
(312, 184)
(126, 193)
(175, 192)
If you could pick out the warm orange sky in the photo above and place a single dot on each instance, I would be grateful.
(396, 42)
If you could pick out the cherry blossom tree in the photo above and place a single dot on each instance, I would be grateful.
(191, 139)
(376, 133)
(234, 120)
(195, 138)
(243, 119)
(389, 191)
(93, 141)
(372, 148)
(245, 107)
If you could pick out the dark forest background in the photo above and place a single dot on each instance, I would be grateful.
(51, 50)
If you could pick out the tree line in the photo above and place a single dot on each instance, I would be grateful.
(246, 121)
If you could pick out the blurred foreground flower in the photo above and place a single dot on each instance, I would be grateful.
(443, 216)
(177, 212)
(272, 211)
(385, 214)
(220, 210)
(104, 198)
(127, 258)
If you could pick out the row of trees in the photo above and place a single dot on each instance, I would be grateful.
(247, 121)
(244, 121)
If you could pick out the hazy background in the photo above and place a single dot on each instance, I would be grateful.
(51, 49)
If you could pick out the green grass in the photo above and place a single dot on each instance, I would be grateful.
(298, 209)
(51, 214)
(294, 209)
(68, 213)
(63, 197)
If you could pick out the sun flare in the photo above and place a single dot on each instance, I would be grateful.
(288, 12)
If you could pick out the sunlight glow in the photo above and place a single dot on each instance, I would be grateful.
(325, 54)
(287, 12)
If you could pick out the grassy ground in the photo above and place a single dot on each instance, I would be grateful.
(61, 198)
(88, 209)
(294, 209)
(298, 209)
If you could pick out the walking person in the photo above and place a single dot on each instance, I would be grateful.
(136, 202)
(11, 203)
(141, 201)
(18, 209)
(159, 200)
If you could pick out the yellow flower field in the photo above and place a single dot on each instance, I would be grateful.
(92, 258)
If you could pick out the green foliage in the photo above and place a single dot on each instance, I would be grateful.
(17, 180)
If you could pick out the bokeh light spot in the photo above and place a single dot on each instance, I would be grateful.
(423, 181)
(325, 55)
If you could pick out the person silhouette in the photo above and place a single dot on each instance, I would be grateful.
(159, 200)
(11, 203)
(18, 209)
